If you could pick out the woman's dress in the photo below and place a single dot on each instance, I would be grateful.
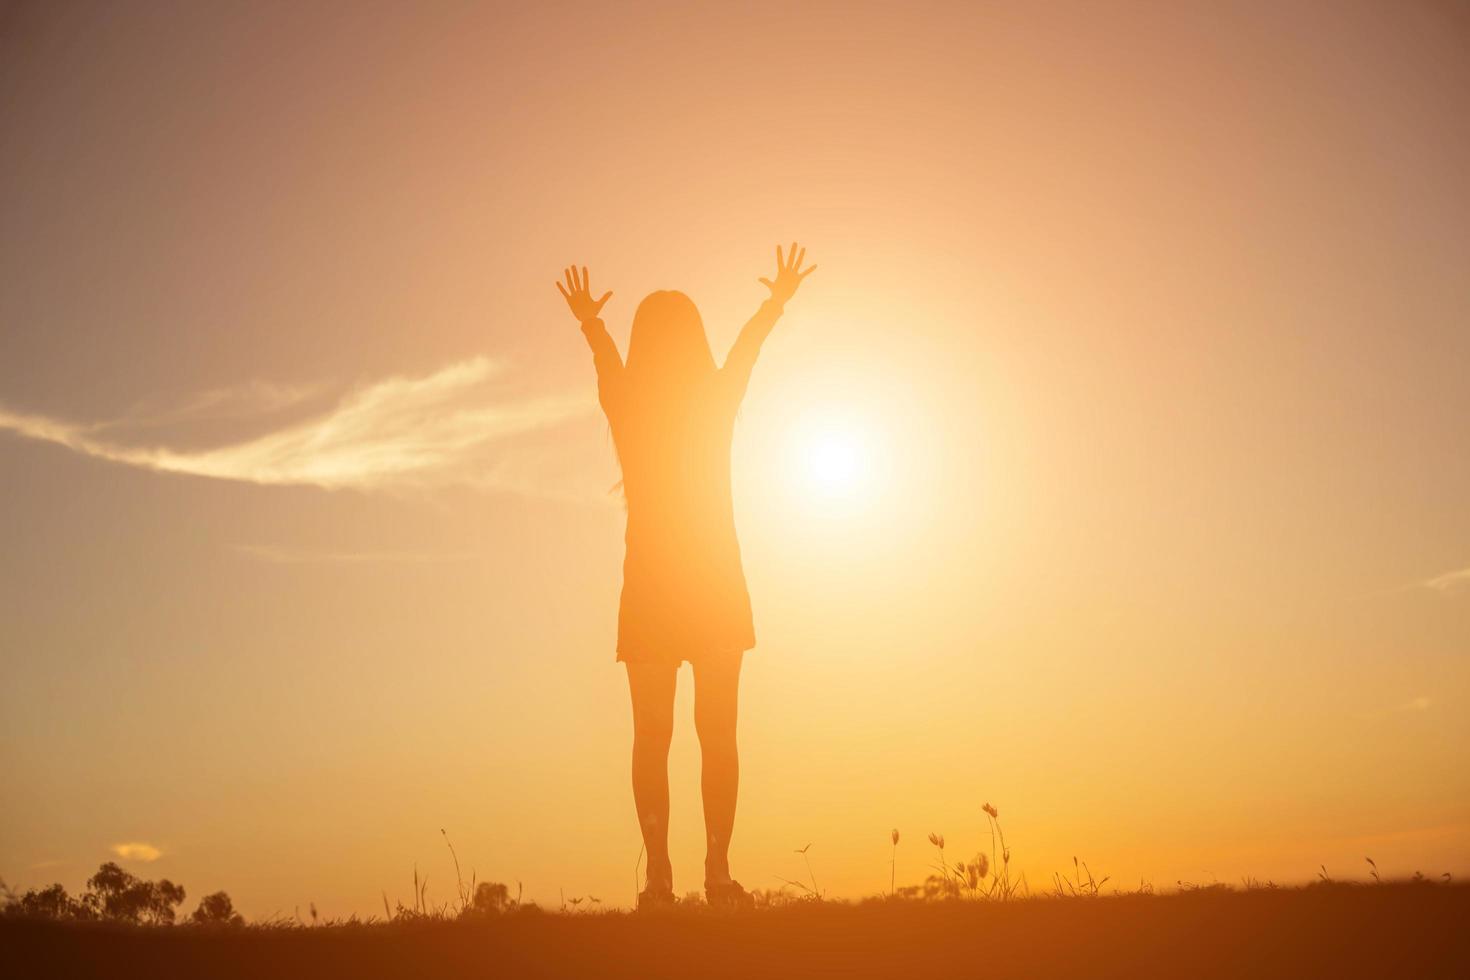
(684, 595)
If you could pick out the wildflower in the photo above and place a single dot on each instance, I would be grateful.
(994, 813)
(982, 864)
(937, 840)
(895, 836)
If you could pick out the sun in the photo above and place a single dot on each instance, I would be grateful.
(834, 460)
(828, 458)
(834, 463)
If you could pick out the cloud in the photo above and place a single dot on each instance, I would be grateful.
(425, 431)
(137, 851)
(1449, 582)
(252, 398)
(1414, 706)
(297, 556)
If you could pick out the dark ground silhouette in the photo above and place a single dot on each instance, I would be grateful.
(1379, 931)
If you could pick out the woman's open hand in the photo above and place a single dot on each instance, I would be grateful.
(579, 296)
(787, 276)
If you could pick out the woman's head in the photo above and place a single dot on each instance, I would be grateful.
(668, 347)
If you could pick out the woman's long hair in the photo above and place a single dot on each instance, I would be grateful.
(669, 371)
(668, 353)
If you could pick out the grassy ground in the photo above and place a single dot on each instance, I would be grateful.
(1338, 931)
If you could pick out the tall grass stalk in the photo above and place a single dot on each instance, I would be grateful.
(815, 890)
(893, 865)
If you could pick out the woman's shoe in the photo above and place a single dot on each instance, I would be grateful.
(655, 896)
(728, 895)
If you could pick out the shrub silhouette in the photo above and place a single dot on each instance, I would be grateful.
(120, 896)
(218, 910)
(47, 903)
(112, 894)
(491, 898)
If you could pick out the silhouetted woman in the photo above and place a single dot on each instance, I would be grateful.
(672, 414)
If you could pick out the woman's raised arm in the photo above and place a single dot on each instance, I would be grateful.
(575, 290)
(741, 359)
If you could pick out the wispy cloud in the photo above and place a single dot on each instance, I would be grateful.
(1414, 706)
(1447, 584)
(246, 400)
(1449, 581)
(137, 851)
(300, 556)
(434, 430)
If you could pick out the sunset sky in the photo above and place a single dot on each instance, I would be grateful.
(1113, 468)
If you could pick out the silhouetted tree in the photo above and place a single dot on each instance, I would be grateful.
(217, 909)
(115, 894)
(491, 897)
(47, 903)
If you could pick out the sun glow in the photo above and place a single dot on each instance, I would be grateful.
(834, 463)
(833, 460)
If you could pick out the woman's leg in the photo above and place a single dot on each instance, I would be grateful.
(652, 688)
(716, 690)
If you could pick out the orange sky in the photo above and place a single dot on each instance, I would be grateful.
(1148, 323)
